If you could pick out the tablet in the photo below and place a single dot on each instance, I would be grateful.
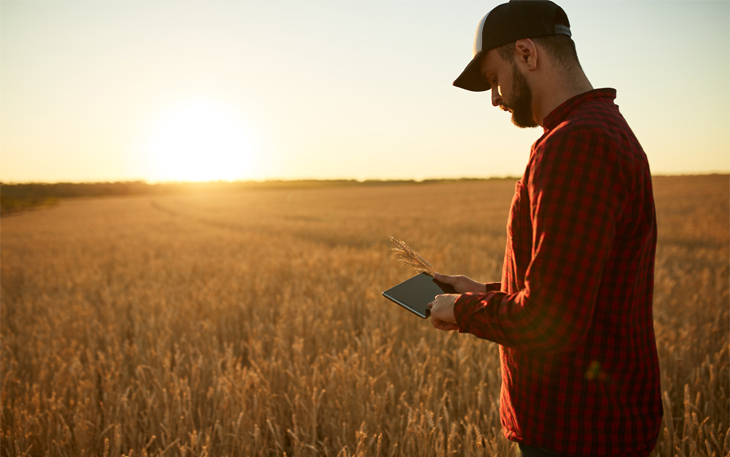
(416, 293)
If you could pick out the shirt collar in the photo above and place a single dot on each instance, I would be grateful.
(559, 114)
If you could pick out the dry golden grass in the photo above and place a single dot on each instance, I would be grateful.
(252, 323)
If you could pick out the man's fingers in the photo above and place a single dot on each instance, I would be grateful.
(442, 278)
(446, 278)
(441, 325)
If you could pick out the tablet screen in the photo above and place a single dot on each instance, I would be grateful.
(416, 293)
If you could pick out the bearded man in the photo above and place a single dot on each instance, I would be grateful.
(573, 311)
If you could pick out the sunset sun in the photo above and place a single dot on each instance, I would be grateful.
(201, 140)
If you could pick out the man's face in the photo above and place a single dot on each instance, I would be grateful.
(510, 89)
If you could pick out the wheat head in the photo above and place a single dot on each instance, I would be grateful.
(408, 256)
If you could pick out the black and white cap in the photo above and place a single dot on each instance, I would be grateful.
(508, 23)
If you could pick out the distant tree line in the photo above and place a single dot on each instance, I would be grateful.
(19, 197)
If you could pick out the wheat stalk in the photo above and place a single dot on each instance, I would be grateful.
(411, 258)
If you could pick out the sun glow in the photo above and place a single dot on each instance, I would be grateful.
(201, 140)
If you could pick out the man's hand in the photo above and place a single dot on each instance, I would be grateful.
(442, 312)
(442, 308)
(462, 284)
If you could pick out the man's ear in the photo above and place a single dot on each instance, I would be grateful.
(526, 53)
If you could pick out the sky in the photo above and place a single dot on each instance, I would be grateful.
(113, 90)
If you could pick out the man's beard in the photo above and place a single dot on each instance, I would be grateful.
(521, 105)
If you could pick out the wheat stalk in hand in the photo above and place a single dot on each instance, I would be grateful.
(411, 258)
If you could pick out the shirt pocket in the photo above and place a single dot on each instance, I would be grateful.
(519, 233)
(514, 219)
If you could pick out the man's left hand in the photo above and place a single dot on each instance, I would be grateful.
(442, 312)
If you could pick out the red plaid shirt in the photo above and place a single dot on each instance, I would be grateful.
(573, 313)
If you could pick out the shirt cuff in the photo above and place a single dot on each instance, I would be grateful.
(494, 286)
(467, 304)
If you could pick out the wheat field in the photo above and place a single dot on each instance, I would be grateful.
(251, 323)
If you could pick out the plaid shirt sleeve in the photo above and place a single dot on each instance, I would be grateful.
(575, 192)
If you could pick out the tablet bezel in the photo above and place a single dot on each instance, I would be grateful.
(396, 293)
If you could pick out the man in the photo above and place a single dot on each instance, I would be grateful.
(573, 312)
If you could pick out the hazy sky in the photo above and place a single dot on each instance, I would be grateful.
(119, 90)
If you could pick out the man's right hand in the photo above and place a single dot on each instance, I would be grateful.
(462, 284)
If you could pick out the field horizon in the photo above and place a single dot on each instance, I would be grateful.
(17, 197)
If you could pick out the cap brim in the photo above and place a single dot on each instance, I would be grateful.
(471, 78)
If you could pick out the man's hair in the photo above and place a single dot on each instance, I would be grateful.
(560, 49)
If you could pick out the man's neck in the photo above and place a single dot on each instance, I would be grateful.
(554, 93)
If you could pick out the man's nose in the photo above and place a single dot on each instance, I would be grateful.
(496, 97)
